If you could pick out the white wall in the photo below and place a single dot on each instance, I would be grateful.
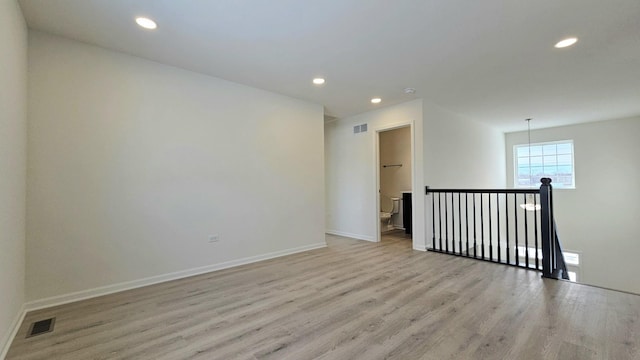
(460, 152)
(133, 164)
(13, 120)
(600, 216)
(449, 151)
(351, 164)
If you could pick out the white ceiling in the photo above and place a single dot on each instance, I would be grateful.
(490, 60)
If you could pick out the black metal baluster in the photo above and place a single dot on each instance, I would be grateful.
(498, 224)
(459, 225)
(535, 228)
(552, 224)
(475, 238)
(506, 212)
(433, 219)
(466, 214)
(490, 230)
(440, 221)
(446, 224)
(453, 225)
(482, 224)
(515, 216)
(526, 231)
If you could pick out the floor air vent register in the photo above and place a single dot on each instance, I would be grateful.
(41, 327)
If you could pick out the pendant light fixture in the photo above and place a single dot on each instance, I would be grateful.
(530, 204)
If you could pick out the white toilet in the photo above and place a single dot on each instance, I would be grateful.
(388, 207)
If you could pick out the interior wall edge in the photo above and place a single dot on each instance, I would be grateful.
(5, 343)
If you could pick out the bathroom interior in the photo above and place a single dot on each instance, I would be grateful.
(395, 182)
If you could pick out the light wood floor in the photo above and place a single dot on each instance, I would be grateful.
(352, 300)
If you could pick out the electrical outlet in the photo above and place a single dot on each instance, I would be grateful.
(214, 238)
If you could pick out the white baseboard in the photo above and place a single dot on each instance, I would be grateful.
(419, 247)
(5, 343)
(350, 235)
(110, 289)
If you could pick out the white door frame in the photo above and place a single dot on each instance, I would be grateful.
(384, 128)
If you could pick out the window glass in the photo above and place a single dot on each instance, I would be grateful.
(553, 160)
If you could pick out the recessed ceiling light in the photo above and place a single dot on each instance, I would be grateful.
(409, 91)
(376, 100)
(566, 42)
(318, 81)
(146, 23)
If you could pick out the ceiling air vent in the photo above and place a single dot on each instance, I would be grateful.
(41, 327)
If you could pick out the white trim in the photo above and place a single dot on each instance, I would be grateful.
(351, 235)
(580, 257)
(13, 331)
(556, 187)
(577, 269)
(114, 288)
(419, 247)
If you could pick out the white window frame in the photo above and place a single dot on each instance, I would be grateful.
(557, 186)
(574, 267)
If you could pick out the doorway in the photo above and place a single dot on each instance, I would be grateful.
(394, 154)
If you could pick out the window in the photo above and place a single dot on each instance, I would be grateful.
(552, 159)
(572, 260)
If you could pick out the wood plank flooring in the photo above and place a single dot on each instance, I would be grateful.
(351, 300)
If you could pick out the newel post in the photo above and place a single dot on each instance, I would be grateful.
(546, 224)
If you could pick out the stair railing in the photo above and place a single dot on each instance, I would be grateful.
(508, 226)
(553, 264)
